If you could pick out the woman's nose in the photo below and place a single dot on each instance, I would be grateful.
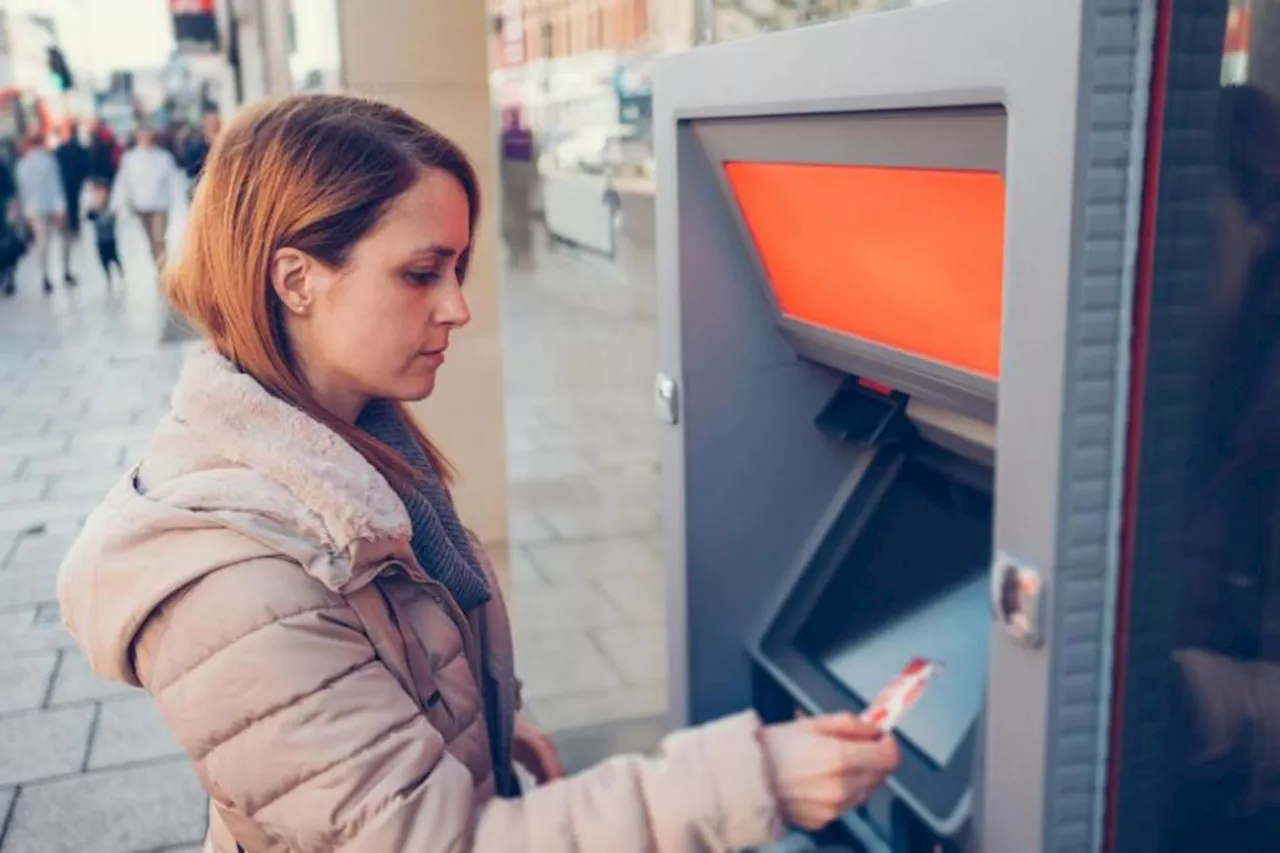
(452, 309)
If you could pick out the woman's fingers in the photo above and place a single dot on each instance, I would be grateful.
(549, 757)
(824, 766)
(843, 725)
(541, 758)
(536, 751)
(880, 756)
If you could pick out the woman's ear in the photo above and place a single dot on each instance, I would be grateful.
(291, 280)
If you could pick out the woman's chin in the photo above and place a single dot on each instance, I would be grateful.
(416, 389)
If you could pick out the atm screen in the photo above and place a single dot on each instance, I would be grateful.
(913, 583)
(908, 258)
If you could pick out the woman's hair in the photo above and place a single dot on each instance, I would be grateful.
(313, 173)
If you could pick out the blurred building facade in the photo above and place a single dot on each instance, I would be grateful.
(575, 75)
(30, 99)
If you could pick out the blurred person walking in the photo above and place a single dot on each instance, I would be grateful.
(104, 222)
(145, 185)
(73, 165)
(286, 573)
(197, 149)
(104, 153)
(13, 242)
(8, 189)
(44, 206)
(519, 173)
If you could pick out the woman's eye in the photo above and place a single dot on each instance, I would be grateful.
(422, 277)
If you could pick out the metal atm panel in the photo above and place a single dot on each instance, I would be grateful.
(748, 476)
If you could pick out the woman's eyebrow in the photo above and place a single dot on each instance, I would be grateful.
(434, 252)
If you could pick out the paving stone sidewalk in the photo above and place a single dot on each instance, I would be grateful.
(84, 765)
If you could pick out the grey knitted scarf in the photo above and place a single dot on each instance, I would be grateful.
(439, 540)
(444, 551)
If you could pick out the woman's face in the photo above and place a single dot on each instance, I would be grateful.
(379, 326)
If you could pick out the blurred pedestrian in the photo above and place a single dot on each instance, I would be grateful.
(200, 142)
(44, 206)
(519, 172)
(288, 576)
(145, 185)
(7, 187)
(104, 153)
(13, 242)
(73, 164)
(104, 222)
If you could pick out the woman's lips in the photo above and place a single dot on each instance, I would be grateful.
(436, 357)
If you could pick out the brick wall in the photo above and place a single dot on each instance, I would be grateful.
(536, 29)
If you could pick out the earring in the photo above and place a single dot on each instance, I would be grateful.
(298, 308)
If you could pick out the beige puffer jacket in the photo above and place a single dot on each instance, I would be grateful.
(255, 576)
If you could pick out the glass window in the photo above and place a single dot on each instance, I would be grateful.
(1197, 763)
(579, 287)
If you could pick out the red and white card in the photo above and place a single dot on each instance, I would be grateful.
(897, 698)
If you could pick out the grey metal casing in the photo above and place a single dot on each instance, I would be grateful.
(747, 475)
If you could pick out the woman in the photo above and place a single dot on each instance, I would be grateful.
(285, 573)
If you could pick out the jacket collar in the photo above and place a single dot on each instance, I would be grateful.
(242, 422)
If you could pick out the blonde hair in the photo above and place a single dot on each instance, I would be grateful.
(313, 173)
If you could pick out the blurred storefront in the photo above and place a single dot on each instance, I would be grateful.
(573, 73)
(574, 76)
(30, 99)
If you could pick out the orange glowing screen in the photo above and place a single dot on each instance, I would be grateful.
(908, 258)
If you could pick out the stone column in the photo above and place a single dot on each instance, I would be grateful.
(429, 57)
(274, 21)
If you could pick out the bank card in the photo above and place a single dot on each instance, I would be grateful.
(898, 696)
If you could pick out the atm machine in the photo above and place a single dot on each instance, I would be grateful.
(906, 266)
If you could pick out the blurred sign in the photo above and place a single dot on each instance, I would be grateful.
(59, 71)
(633, 85)
(195, 25)
(122, 82)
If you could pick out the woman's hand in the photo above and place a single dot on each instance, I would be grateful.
(535, 752)
(824, 766)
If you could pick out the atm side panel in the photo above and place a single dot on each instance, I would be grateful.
(1115, 46)
(747, 473)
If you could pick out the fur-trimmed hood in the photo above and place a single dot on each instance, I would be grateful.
(229, 456)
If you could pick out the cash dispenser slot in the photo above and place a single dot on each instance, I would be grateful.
(865, 413)
(896, 568)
